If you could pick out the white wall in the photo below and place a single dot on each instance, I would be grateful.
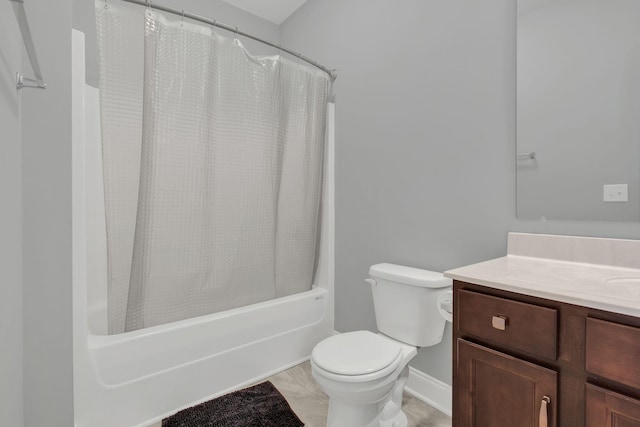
(425, 140)
(46, 231)
(10, 222)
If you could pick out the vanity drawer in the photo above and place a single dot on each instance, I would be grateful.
(520, 326)
(613, 351)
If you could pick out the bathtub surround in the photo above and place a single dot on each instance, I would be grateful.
(11, 411)
(425, 164)
(203, 357)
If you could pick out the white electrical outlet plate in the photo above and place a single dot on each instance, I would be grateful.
(616, 193)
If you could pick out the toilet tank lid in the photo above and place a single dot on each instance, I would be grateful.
(409, 275)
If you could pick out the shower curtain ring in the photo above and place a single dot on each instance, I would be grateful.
(148, 4)
(182, 18)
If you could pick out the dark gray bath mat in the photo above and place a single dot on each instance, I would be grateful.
(259, 406)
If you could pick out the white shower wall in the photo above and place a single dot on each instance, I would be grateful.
(96, 225)
(138, 377)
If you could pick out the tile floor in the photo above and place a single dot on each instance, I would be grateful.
(310, 403)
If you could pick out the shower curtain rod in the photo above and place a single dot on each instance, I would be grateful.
(333, 74)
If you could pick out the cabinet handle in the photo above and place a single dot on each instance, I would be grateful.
(543, 411)
(499, 322)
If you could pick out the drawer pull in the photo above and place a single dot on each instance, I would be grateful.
(543, 411)
(499, 322)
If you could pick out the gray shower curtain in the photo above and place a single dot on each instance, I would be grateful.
(213, 165)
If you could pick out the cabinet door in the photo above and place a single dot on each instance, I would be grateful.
(498, 390)
(608, 409)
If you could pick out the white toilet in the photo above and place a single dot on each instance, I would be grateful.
(364, 373)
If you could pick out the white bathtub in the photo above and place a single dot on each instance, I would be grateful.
(137, 378)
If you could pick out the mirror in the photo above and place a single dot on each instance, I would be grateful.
(578, 109)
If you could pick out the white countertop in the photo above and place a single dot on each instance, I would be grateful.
(604, 287)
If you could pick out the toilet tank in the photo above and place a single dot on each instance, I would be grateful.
(405, 301)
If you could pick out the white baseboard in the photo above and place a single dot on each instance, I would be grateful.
(430, 390)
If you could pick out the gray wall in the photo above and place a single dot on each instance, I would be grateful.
(46, 181)
(84, 20)
(10, 223)
(425, 140)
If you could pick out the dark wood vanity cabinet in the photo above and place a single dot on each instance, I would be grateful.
(522, 361)
(605, 408)
(499, 390)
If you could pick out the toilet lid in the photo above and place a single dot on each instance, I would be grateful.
(355, 353)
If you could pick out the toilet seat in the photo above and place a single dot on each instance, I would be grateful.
(357, 356)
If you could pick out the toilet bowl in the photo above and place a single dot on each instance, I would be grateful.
(359, 371)
(364, 373)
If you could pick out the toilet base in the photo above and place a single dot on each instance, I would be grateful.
(341, 415)
(392, 414)
(385, 413)
(366, 416)
(400, 420)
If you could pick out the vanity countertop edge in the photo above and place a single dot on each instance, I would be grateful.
(611, 288)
